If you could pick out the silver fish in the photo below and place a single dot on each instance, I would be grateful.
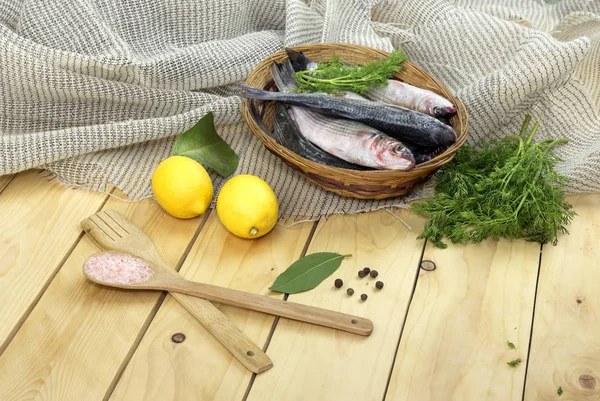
(398, 122)
(287, 133)
(352, 141)
(348, 140)
(405, 95)
(395, 92)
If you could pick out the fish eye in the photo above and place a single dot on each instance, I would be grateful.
(438, 111)
(399, 149)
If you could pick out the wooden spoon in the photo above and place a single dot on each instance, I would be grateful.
(158, 279)
(110, 230)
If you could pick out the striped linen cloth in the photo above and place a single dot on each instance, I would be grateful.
(95, 91)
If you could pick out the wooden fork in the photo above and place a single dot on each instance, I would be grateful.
(112, 231)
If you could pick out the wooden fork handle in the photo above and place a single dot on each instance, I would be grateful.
(226, 332)
(219, 325)
(273, 306)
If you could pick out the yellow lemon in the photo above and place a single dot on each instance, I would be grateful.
(247, 206)
(182, 187)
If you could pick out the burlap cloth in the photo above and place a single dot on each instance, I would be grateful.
(95, 91)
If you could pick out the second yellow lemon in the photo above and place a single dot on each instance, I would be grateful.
(182, 187)
(247, 206)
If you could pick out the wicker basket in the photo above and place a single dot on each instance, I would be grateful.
(371, 184)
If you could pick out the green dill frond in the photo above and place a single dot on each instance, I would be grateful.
(502, 189)
(335, 76)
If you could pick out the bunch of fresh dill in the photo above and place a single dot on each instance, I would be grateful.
(506, 189)
(336, 76)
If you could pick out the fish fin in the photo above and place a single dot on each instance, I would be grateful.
(283, 75)
(255, 93)
(290, 113)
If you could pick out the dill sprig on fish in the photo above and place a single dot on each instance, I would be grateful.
(350, 141)
(393, 91)
(398, 122)
(335, 76)
(507, 189)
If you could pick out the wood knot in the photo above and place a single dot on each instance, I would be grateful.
(587, 381)
(428, 265)
(178, 338)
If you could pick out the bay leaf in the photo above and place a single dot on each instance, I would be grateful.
(203, 144)
(308, 272)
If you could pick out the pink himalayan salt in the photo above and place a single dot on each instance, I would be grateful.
(118, 268)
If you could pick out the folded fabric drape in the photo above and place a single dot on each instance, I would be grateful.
(95, 91)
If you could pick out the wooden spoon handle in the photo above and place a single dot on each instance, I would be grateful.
(219, 325)
(132, 240)
(226, 332)
(261, 303)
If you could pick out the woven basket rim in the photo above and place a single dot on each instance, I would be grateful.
(390, 178)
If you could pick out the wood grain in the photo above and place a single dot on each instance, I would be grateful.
(80, 335)
(161, 280)
(40, 223)
(565, 345)
(199, 368)
(317, 363)
(111, 230)
(4, 180)
(462, 314)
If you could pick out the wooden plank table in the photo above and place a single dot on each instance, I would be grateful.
(439, 335)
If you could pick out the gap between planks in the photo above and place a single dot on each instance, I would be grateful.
(153, 312)
(565, 350)
(45, 286)
(410, 302)
(162, 369)
(276, 321)
(537, 283)
(43, 349)
(5, 181)
(453, 345)
(412, 294)
(374, 239)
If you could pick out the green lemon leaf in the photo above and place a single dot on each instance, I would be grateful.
(203, 144)
(308, 272)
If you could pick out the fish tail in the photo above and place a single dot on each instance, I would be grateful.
(255, 93)
(283, 75)
(298, 60)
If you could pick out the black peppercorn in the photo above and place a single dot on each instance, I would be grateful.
(350, 291)
(379, 285)
(367, 270)
(338, 283)
(374, 273)
(363, 297)
(361, 273)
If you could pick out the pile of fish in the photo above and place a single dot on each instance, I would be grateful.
(393, 127)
